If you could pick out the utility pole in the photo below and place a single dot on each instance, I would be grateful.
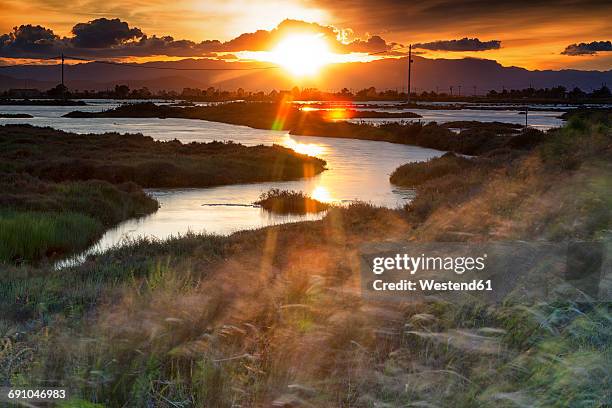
(409, 69)
(63, 87)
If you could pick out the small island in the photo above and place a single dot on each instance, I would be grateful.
(290, 202)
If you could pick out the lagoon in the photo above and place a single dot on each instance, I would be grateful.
(357, 170)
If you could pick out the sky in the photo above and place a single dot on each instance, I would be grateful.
(533, 34)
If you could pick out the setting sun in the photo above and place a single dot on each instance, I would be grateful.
(302, 54)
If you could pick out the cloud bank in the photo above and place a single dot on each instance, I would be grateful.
(464, 44)
(591, 48)
(113, 38)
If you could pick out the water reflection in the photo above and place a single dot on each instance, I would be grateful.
(320, 193)
(311, 149)
(357, 170)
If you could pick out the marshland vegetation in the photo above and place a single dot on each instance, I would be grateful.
(83, 184)
(273, 317)
(290, 202)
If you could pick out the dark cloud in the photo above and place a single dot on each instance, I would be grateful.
(29, 41)
(587, 48)
(464, 44)
(98, 38)
(374, 44)
(103, 33)
(226, 56)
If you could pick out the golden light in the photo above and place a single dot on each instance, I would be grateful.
(310, 149)
(338, 114)
(320, 193)
(302, 54)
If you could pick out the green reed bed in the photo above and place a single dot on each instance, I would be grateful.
(33, 235)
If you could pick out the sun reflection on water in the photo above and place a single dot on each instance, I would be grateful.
(322, 194)
(310, 149)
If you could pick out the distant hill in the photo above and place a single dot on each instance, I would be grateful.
(428, 74)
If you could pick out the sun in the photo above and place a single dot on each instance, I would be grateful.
(302, 54)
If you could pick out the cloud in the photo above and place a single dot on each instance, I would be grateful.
(262, 40)
(374, 44)
(102, 33)
(113, 38)
(464, 44)
(99, 38)
(29, 40)
(587, 48)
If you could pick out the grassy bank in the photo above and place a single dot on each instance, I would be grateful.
(34, 235)
(42, 219)
(59, 156)
(475, 137)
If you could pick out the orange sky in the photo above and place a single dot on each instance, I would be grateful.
(532, 33)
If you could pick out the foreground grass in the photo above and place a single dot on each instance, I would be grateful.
(274, 317)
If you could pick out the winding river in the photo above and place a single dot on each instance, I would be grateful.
(357, 170)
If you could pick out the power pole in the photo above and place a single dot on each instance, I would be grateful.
(63, 88)
(409, 69)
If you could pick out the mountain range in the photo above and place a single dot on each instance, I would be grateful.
(472, 75)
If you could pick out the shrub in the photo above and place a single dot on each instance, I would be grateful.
(289, 202)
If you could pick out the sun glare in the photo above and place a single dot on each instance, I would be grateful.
(320, 193)
(302, 54)
(310, 149)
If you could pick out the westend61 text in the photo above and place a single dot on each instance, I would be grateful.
(432, 285)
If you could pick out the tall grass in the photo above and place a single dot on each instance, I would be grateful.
(27, 235)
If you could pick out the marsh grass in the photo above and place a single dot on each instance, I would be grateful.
(41, 219)
(58, 156)
(414, 174)
(27, 235)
